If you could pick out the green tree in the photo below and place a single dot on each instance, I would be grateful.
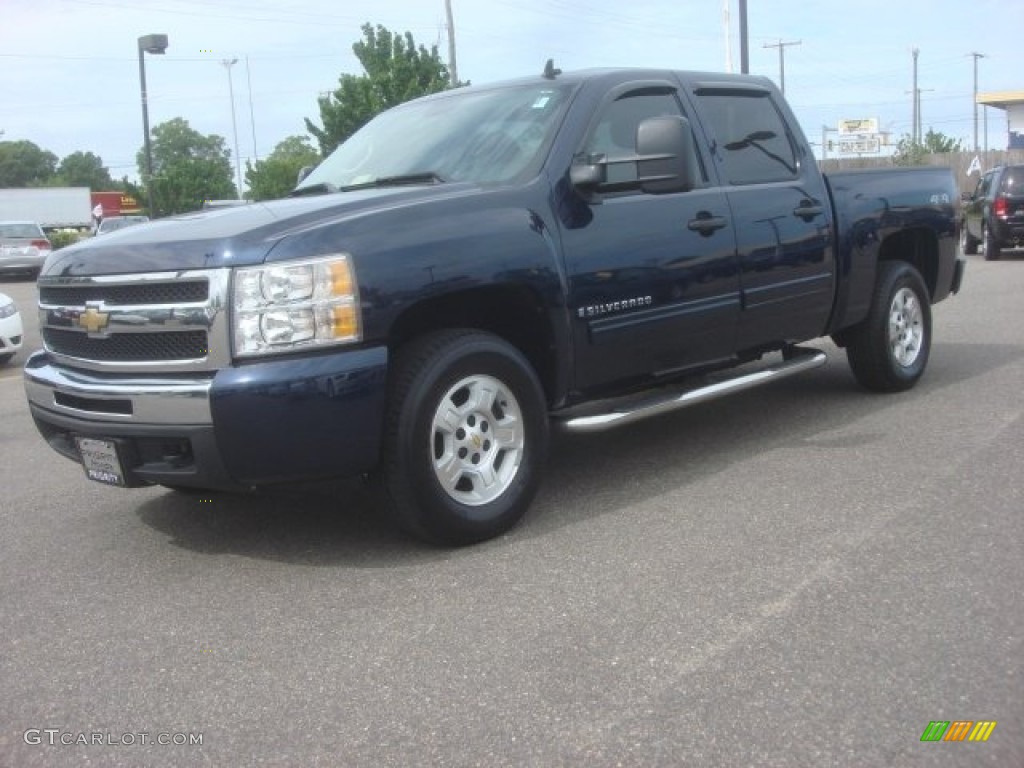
(938, 143)
(188, 168)
(910, 152)
(396, 71)
(24, 164)
(275, 176)
(83, 169)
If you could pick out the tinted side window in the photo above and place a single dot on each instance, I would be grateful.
(614, 134)
(1013, 181)
(985, 184)
(751, 137)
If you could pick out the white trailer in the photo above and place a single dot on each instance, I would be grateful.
(49, 207)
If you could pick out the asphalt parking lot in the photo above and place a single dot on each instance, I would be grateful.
(799, 575)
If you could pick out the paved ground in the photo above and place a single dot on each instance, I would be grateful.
(802, 575)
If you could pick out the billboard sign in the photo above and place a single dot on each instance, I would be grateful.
(863, 125)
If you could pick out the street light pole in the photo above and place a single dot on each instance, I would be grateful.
(228, 63)
(744, 42)
(155, 44)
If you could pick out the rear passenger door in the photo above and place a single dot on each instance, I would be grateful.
(781, 211)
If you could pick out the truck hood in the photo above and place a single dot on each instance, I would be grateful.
(232, 237)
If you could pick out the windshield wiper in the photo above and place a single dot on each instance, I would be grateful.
(323, 188)
(422, 177)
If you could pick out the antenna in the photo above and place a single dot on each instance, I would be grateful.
(550, 72)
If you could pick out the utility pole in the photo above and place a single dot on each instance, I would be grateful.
(744, 54)
(915, 97)
(976, 57)
(228, 64)
(920, 133)
(984, 117)
(453, 70)
(782, 60)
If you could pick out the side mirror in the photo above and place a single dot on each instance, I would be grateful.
(666, 156)
(304, 171)
(587, 177)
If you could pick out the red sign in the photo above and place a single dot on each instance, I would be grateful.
(115, 203)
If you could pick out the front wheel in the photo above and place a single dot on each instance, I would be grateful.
(888, 351)
(466, 437)
(989, 244)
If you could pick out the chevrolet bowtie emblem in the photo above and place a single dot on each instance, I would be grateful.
(93, 320)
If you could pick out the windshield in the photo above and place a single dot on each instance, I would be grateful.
(466, 135)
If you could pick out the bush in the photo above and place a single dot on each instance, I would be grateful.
(60, 238)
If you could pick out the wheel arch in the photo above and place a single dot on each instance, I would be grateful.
(919, 247)
(515, 313)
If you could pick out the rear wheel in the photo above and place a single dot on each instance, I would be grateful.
(466, 436)
(968, 244)
(888, 351)
(989, 244)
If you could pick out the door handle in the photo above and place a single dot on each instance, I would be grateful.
(807, 211)
(706, 223)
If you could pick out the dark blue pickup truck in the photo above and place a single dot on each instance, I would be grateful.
(470, 268)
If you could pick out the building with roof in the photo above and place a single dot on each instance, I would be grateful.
(1012, 102)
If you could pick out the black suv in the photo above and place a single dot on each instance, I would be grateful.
(994, 212)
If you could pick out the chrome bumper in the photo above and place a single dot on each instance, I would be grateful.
(124, 400)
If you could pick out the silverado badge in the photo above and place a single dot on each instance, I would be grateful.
(596, 310)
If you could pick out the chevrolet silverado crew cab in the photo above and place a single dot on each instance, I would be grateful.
(473, 267)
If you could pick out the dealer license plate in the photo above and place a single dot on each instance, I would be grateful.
(100, 459)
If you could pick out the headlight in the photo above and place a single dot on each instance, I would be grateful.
(8, 310)
(288, 306)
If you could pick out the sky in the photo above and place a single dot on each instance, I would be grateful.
(69, 73)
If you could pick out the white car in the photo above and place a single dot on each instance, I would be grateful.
(11, 330)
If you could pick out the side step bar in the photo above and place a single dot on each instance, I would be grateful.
(795, 360)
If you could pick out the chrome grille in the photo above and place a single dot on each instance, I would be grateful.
(157, 323)
(184, 292)
(127, 347)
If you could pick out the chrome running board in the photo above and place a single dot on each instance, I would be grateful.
(795, 360)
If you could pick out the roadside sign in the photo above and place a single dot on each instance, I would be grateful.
(863, 125)
(860, 145)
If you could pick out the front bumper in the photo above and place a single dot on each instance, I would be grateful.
(12, 334)
(286, 420)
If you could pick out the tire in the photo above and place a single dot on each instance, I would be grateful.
(445, 479)
(888, 351)
(968, 244)
(989, 244)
